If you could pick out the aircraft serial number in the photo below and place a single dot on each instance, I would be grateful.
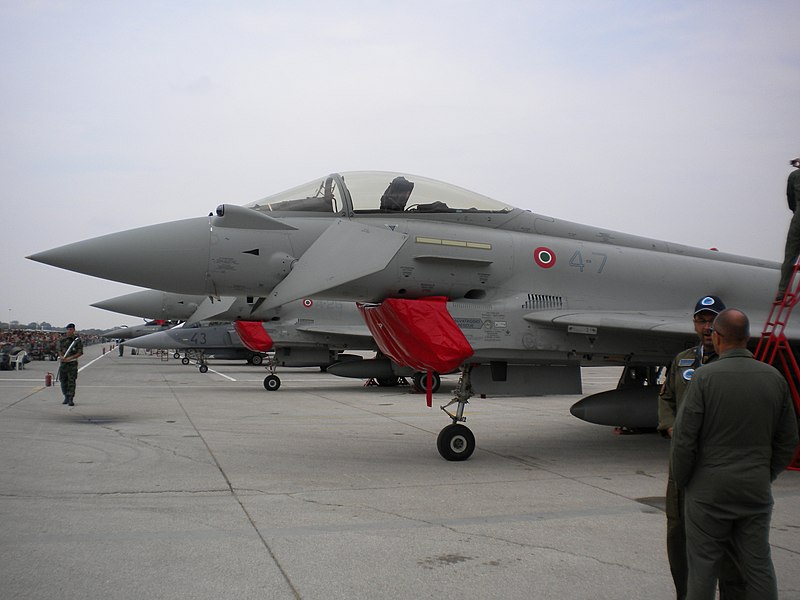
(198, 339)
(578, 261)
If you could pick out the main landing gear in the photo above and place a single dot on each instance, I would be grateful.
(456, 441)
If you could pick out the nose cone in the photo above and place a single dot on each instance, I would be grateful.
(169, 256)
(160, 340)
(123, 333)
(152, 304)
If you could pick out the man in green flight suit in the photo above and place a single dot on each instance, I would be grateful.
(792, 248)
(670, 398)
(734, 433)
(70, 349)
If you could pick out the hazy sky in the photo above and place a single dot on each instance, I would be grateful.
(674, 120)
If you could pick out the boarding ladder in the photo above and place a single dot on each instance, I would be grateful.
(774, 349)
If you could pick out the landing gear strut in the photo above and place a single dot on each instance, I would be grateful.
(272, 382)
(198, 356)
(456, 441)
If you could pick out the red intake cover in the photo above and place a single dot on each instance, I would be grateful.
(254, 336)
(419, 334)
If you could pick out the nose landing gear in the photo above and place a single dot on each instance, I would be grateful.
(272, 382)
(456, 442)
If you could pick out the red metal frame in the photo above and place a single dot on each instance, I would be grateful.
(774, 345)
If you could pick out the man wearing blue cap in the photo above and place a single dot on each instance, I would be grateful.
(679, 375)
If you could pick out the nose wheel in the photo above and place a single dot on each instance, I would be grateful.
(455, 442)
(272, 383)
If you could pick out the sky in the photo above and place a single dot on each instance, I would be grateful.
(674, 120)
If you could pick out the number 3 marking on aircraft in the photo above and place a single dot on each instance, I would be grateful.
(576, 260)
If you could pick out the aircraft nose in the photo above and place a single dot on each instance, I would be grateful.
(152, 304)
(169, 256)
(148, 304)
(160, 340)
(119, 334)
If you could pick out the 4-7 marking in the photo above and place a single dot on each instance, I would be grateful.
(578, 261)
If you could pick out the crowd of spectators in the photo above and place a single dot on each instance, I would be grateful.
(39, 344)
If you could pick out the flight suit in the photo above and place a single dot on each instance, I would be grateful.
(735, 431)
(670, 398)
(68, 371)
(792, 248)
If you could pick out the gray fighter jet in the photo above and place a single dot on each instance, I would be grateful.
(302, 334)
(529, 298)
(152, 304)
(130, 332)
(295, 336)
(200, 341)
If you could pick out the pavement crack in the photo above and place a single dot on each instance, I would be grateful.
(140, 440)
(235, 495)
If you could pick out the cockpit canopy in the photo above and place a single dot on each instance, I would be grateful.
(357, 192)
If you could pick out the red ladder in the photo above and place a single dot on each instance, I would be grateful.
(773, 346)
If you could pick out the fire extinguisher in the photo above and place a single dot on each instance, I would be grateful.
(48, 379)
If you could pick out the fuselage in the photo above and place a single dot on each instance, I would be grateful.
(498, 265)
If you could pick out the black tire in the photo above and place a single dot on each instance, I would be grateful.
(421, 381)
(176, 355)
(455, 442)
(272, 383)
(203, 368)
(184, 361)
(256, 359)
(386, 381)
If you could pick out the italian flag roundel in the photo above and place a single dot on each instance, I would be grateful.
(544, 257)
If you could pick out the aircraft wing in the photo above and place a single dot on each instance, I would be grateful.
(664, 322)
(653, 321)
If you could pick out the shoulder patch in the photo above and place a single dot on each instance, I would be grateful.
(686, 362)
(688, 374)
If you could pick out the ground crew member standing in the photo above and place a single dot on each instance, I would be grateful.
(792, 249)
(735, 431)
(670, 399)
(70, 349)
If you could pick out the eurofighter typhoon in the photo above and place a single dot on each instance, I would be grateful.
(446, 278)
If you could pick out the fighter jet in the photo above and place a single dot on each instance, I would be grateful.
(295, 336)
(153, 304)
(128, 333)
(301, 334)
(201, 341)
(187, 307)
(446, 277)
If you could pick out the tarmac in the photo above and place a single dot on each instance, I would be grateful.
(163, 482)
